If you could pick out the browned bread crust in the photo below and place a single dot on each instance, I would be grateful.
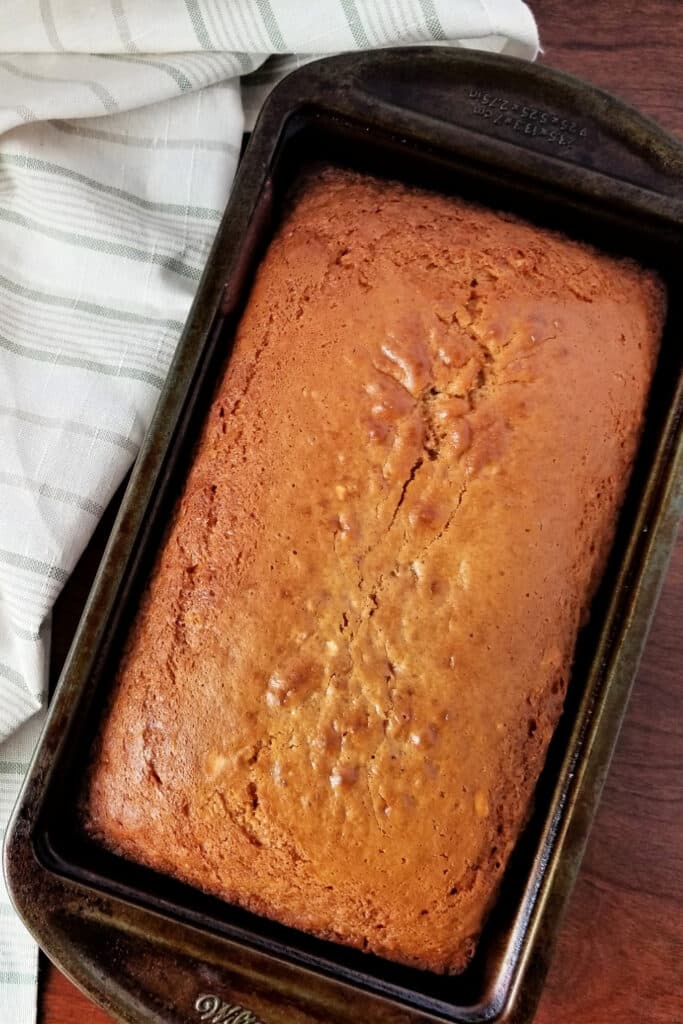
(337, 697)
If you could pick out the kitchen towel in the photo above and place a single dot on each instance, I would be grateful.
(120, 129)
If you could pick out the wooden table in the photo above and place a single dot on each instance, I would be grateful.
(620, 954)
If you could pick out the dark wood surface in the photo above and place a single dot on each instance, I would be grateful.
(619, 958)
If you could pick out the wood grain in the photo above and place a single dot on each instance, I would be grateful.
(619, 955)
(632, 48)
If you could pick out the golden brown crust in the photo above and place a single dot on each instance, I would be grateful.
(339, 691)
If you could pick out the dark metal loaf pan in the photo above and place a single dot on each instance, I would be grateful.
(507, 134)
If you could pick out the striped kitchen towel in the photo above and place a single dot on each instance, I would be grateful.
(120, 128)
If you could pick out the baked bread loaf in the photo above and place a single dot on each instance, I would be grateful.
(339, 689)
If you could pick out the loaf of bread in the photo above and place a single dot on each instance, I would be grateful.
(339, 689)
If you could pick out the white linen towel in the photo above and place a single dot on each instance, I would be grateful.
(120, 128)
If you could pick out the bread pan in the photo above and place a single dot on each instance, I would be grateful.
(507, 134)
